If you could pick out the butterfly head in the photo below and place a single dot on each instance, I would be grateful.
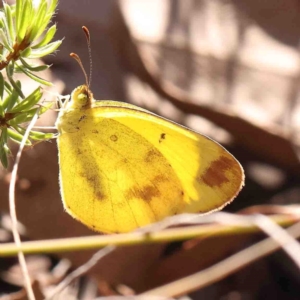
(81, 97)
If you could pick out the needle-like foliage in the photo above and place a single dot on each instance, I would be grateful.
(24, 34)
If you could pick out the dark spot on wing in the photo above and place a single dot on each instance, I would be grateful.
(151, 155)
(214, 175)
(162, 137)
(95, 131)
(147, 193)
(81, 174)
(91, 178)
(82, 118)
(160, 178)
(124, 160)
(113, 138)
(99, 195)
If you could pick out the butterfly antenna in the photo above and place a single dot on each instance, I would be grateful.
(88, 38)
(77, 58)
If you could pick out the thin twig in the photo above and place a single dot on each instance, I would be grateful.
(13, 214)
(81, 270)
(236, 226)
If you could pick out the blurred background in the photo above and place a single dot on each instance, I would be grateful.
(228, 69)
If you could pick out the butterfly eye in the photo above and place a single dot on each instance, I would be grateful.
(82, 98)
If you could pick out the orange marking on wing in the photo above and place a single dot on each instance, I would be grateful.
(146, 193)
(215, 174)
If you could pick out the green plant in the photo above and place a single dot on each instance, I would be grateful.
(24, 35)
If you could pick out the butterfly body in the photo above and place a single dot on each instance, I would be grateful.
(122, 167)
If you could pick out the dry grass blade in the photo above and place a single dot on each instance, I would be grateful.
(288, 243)
(221, 269)
(13, 214)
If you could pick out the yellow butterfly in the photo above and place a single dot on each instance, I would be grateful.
(123, 167)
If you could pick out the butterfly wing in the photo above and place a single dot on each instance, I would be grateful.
(122, 167)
